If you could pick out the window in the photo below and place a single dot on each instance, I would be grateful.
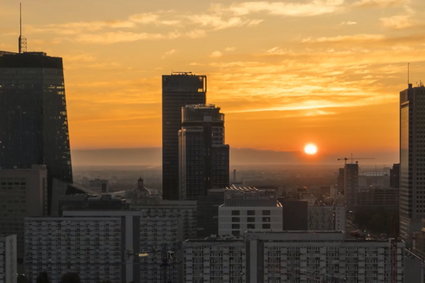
(266, 226)
(236, 212)
(251, 226)
(251, 219)
(236, 219)
(235, 226)
(266, 212)
(266, 219)
(251, 212)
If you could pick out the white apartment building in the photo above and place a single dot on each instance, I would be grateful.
(294, 257)
(23, 192)
(8, 259)
(249, 209)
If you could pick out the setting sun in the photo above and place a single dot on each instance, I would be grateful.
(310, 149)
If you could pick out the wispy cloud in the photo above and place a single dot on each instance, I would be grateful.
(168, 53)
(216, 54)
(379, 3)
(397, 22)
(345, 38)
(349, 23)
(310, 8)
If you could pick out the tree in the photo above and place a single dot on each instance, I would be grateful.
(43, 277)
(70, 277)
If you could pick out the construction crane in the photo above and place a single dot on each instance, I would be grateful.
(352, 158)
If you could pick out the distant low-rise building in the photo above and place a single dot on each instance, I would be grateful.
(326, 217)
(249, 209)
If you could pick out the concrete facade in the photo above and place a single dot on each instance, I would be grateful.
(8, 259)
(23, 193)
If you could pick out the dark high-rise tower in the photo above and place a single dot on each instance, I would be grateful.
(351, 184)
(203, 156)
(178, 90)
(33, 117)
(412, 161)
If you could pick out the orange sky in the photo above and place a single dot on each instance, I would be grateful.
(284, 72)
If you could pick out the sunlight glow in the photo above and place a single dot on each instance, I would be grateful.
(310, 149)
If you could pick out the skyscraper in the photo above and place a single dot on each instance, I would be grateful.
(412, 160)
(33, 117)
(203, 156)
(178, 90)
(351, 184)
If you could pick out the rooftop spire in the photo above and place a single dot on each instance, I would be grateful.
(22, 41)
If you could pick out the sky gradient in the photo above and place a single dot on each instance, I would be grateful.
(285, 73)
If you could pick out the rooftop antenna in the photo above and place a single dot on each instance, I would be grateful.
(408, 73)
(22, 41)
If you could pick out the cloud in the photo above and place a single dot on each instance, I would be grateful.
(220, 22)
(168, 53)
(379, 3)
(349, 23)
(312, 8)
(216, 54)
(119, 36)
(397, 22)
(345, 38)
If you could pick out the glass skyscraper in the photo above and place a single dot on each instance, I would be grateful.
(33, 117)
(178, 90)
(203, 155)
(412, 161)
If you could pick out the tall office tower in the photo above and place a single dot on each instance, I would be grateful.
(178, 90)
(412, 161)
(33, 118)
(203, 156)
(351, 184)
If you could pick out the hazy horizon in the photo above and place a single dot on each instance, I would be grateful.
(238, 156)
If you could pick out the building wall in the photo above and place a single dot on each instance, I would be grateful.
(214, 261)
(8, 259)
(23, 192)
(293, 257)
(91, 246)
(328, 261)
(326, 218)
(235, 220)
(156, 231)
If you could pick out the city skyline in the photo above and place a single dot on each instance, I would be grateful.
(328, 72)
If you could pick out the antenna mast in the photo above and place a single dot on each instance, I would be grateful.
(408, 73)
(22, 41)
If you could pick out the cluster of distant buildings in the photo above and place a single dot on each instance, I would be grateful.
(202, 229)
